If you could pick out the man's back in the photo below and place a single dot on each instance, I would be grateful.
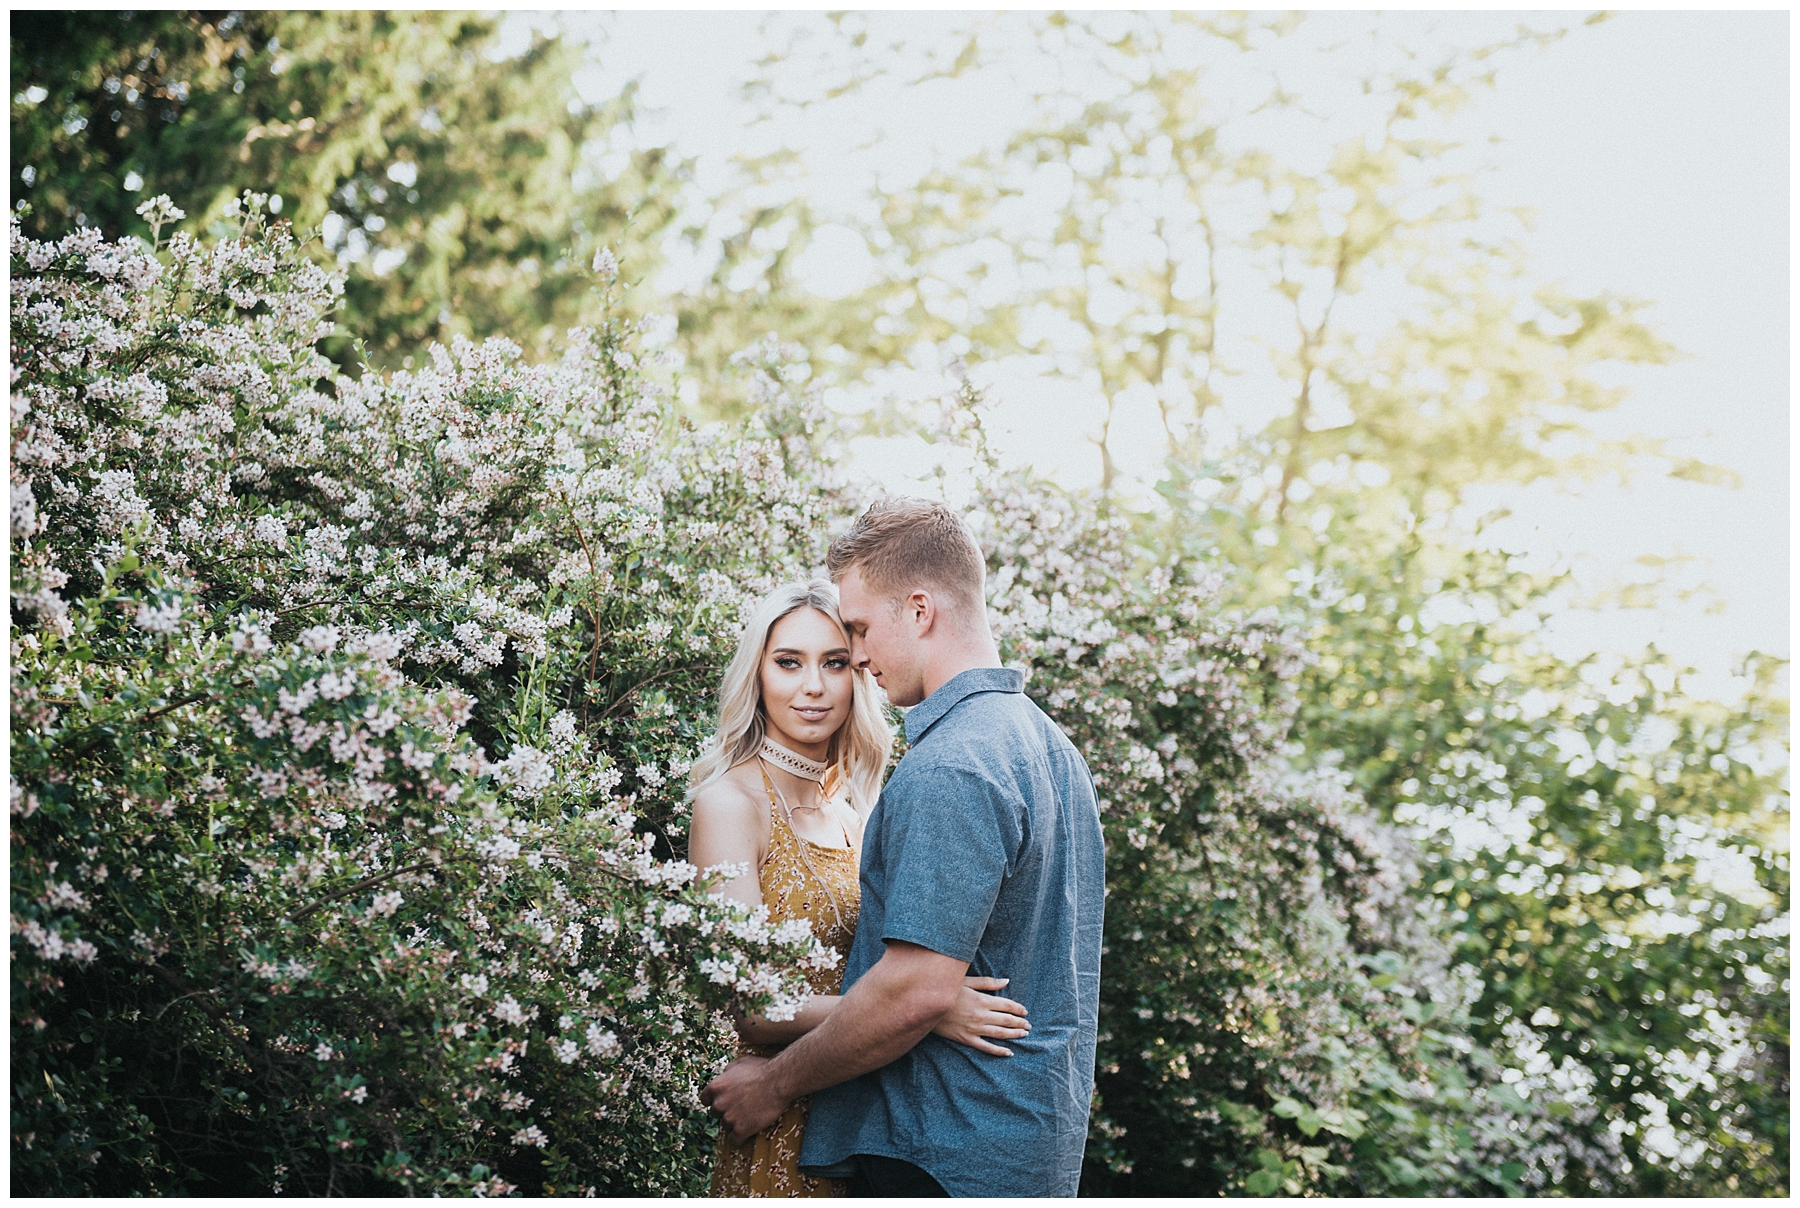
(985, 847)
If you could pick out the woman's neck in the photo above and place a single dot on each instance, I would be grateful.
(799, 792)
(801, 786)
(818, 752)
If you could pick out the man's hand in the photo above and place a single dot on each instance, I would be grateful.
(743, 1098)
(890, 1008)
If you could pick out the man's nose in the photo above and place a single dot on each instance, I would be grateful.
(859, 655)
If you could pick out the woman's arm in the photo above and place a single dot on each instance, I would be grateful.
(730, 826)
(975, 1018)
(757, 1030)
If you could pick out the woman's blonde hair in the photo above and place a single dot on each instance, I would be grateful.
(858, 752)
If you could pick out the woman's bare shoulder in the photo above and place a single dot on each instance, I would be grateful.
(729, 802)
(729, 826)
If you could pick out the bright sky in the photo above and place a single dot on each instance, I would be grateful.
(1653, 149)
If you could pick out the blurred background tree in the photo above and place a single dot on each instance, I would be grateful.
(463, 191)
(1606, 852)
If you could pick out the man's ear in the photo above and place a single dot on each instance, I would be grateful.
(921, 609)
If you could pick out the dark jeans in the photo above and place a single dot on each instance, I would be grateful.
(888, 1178)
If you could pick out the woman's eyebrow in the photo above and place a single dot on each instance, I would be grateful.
(826, 654)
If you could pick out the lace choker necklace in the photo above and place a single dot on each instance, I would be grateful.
(788, 761)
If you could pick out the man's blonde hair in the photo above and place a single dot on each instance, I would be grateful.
(902, 544)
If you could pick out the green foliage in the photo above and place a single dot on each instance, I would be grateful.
(1611, 855)
(1398, 904)
(1102, 240)
(460, 192)
(1102, 243)
(279, 922)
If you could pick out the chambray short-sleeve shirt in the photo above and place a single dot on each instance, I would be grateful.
(985, 846)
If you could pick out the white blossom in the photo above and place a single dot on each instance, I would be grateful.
(158, 618)
(528, 770)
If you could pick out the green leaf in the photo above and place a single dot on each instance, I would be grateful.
(1404, 1172)
(1263, 1182)
(1508, 1098)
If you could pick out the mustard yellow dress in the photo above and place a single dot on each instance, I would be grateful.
(768, 1163)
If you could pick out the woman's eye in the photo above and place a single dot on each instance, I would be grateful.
(837, 664)
(787, 664)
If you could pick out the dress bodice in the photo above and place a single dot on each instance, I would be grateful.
(801, 879)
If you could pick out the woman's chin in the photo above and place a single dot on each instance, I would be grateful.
(805, 734)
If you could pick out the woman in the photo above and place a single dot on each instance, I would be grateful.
(784, 786)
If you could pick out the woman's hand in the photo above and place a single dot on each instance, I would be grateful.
(977, 1015)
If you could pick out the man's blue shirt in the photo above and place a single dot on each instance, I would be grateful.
(985, 846)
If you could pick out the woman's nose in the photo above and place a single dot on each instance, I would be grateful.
(814, 683)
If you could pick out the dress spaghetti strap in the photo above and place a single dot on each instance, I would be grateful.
(776, 811)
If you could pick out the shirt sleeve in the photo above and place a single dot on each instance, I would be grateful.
(953, 842)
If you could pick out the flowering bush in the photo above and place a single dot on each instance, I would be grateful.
(348, 721)
(1607, 850)
(350, 718)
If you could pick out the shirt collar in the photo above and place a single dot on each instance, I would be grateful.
(928, 712)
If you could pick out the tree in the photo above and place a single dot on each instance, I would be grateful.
(1609, 853)
(460, 192)
(1139, 234)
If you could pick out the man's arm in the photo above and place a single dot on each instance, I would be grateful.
(890, 1009)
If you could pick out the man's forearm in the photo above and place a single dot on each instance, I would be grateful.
(882, 1017)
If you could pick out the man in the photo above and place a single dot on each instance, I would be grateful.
(983, 856)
